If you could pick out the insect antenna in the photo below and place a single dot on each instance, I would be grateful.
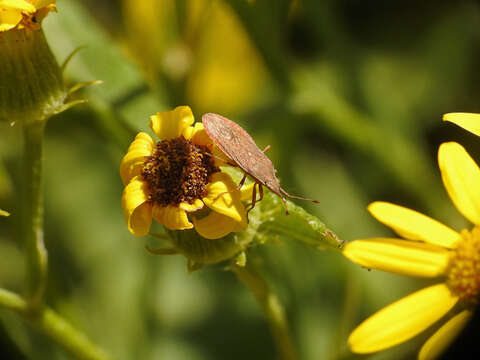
(297, 197)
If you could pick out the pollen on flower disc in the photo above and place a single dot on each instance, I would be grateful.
(178, 171)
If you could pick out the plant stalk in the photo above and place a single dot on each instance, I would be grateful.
(36, 253)
(271, 307)
(54, 326)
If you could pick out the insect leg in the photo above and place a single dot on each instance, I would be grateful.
(266, 149)
(260, 190)
(254, 198)
(240, 184)
(226, 161)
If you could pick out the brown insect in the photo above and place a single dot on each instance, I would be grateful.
(242, 151)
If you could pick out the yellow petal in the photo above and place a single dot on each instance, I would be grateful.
(142, 141)
(171, 124)
(224, 197)
(172, 217)
(402, 320)
(413, 225)
(461, 178)
(132, 162)
(9, 18)
(214, 225)
(444, 336)
(136, 210)
(21, 5)
(197, 205)
(4, 213)
(200, 137)
(468, 121)
(246, 192)
(197, 134)
(398, 256)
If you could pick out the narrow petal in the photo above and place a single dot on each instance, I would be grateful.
(224, 197)
(197, 205)
(197, 134)
(142, 141)
(468, 121)
(21, 5)
(136, 210)
(4, 213)
(398, 256)
(171, 124)
(444, 336)
(132, 162)
(201, 137)
(214, 225)
(172, 217)
(9, 18)
(413, 225)
(402, 320)
(461, 178)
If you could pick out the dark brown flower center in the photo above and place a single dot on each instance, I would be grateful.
(178, 171)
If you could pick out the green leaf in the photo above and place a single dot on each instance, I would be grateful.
(271, 222)
(267, 222)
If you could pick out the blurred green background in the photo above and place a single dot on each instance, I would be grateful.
(349, 94)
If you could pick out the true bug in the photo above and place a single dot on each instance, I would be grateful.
(242, 151)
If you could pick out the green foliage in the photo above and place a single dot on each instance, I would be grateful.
(352, 110)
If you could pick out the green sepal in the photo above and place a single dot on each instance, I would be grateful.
(31, 83)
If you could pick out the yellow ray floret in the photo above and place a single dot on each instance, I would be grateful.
(136, 210)
(172, 217)
(468, 121)
(398, 256)
(461, 177)
(413, 225)
(444, 336)
(224, 197)
(12, 12)
(171, 124)
(402, 320)
(214, 226)
(132, 162)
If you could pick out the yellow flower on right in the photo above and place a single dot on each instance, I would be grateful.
(468, 121)
(427, 249)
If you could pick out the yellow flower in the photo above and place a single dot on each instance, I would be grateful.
(468, 121)
(428, 249)
(24, 13)
(172, 181)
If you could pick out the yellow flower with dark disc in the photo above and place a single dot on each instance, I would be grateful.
(178, 182)
(24, 13)
(428, 249)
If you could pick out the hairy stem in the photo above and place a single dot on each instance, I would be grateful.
(271, 307)
(36, 254)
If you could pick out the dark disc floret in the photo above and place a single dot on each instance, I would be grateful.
(178, 171)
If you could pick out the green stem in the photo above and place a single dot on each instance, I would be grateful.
(36, 254)
(271, 307)
(54, 326)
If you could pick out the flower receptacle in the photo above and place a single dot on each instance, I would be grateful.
(31, 83)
